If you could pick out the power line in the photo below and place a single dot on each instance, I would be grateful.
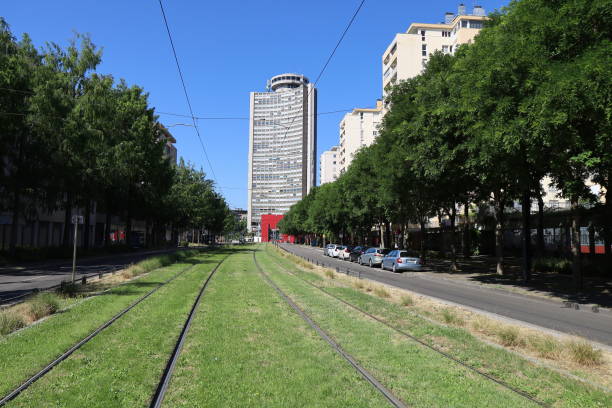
(348, 26)
(178, 66)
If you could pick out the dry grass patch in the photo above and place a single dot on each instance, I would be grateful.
(406, 300)
(449, 316)
(545, 346)
(510, 336)
(10, 321)
(330, 274)
(358, 284)
(380, 291)
(40, 306)
(584, 354)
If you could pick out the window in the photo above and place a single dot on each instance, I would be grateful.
(451, 49)
(424, 62)
(464, 24)
(424, 50)
(446, 34)
(445, 49)
(476, 24)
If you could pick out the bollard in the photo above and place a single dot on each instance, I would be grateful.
(359, 274)
(83, 280)
(100, 275)
(337, 269)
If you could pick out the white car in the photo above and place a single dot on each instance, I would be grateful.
(339, 249)
(327, 248)
(345, 253)
(333, 250)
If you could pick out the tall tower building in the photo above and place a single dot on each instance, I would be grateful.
(282, 146)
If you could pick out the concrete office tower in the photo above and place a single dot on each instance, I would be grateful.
(330, 169)
(408, 53)
(282, 146)
(358, 128)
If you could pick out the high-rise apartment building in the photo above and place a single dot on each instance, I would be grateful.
(282, 146)
(358, 128)
(330, 169)
(408, 53)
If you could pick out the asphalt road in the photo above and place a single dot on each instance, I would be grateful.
(529, 309)
(19, 280)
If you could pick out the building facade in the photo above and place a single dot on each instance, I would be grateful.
(408, 53)
(329, 164)
(358, 128)
(282, 146)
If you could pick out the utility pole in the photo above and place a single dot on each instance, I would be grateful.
(76, 220)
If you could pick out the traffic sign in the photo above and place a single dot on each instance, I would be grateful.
(77, 219)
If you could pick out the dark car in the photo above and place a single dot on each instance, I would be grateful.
(356, 253)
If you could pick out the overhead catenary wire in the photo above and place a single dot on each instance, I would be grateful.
(331, 56)
(178, 66)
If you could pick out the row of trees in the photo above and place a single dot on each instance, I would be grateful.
(72, 138)
(530, 97)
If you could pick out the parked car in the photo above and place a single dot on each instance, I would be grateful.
(373, 257)
(401, 260)
(356, 253)
(345, 253)
(335, 252)
(327, 248)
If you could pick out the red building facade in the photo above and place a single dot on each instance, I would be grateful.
(269, 229)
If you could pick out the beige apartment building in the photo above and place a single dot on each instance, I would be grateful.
(358, 128)
(329, 163)
(408, 53)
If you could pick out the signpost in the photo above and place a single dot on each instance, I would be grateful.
(76, 220)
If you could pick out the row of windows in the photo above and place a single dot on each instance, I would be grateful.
(290, 78)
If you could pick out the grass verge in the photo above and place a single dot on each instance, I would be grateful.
(546, 384)
(24, 353)
(122, 365)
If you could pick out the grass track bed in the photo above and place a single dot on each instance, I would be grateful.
(121, 366)
(248, 348)
(546, 385)
(23, 353)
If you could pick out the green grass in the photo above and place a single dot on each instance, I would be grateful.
(22, 354)
(545, 384)
(121, 366)
(10, 321)
(248, 348)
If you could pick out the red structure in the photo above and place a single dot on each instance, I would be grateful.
(269, 229)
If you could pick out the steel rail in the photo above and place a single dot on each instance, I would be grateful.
(13, 394)
(162, 387)
(499, 382)
(392, 399)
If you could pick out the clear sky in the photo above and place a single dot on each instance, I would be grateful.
(229, 48)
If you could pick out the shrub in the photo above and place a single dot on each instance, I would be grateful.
(358, 284)
(546, 347)
(10, 321)
(381, 292)
(407, 300)
(68, 289)
(559, 265)
(583, 353)
(41, 305)
(450, 317)
(510, 336)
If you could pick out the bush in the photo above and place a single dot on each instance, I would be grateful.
(330, 274)
(584, 354)
(450, 317)
(559, 265)
(183, 243)
(546, 347)
(68, 289)
(10, 321)
(510, 336)
(381, 292)
(358, 284)
(407, 300)
(41, 305)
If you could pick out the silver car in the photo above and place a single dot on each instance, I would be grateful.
(401, 260)
(372, 257)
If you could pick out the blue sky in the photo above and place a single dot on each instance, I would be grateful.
(229, 48)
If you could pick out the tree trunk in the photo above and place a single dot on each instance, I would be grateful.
(15, 221)
(607, 229)
(86, 224)
(540, 238)
(499, 236)
(576, 256)
(467, 233)
(526, 213)
(453, 239)
(423, 239)
(67, 221)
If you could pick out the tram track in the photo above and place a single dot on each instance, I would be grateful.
(403, 333)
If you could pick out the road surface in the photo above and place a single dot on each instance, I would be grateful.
(544, 313)
(19, 280)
